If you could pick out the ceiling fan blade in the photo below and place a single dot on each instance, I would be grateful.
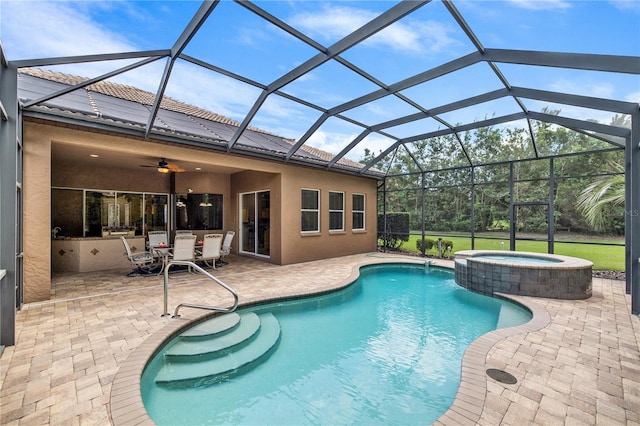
(175, 169)
(162, 164)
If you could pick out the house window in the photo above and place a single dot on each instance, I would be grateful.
(310, 210)
(358, 212)
(199, 211)
(336, 211)
(78, 212)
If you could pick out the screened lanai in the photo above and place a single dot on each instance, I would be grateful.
(366, 83)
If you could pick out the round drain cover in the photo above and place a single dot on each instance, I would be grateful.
(501, 376)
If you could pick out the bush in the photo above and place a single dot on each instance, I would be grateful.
(446, 245)
(426, 244)
(397, 230)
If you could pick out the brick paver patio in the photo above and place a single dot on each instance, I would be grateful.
(576, 363)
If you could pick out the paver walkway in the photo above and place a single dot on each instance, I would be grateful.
(582, 366)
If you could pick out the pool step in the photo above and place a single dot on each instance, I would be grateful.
(195, 343)
(211, 367)
(213, 326)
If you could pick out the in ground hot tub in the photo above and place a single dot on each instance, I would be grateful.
(524, 273)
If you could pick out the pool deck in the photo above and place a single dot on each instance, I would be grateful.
(77, 355)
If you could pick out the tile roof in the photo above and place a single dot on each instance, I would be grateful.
(196, 122)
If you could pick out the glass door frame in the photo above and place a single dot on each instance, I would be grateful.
(258, 213)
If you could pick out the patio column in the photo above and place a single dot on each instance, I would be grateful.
(37, 214)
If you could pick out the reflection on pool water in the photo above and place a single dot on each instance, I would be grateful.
(385, 350)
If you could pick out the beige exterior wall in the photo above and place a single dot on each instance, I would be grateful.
(92, 254)
(241, 174)
(251, 181)
(298, 247)
(37, 214)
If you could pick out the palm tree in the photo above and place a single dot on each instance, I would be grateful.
(602, 194)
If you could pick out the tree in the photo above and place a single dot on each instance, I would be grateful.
(598, 198)
(440, 174)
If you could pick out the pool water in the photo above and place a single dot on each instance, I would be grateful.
(517, 259)
(385, 350)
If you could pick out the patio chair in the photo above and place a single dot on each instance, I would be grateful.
(184, 248)
(143, 262)
(210, 250)
(158, 245)
(226, 247)
(158, 238)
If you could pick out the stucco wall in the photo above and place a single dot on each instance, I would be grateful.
(250, 181)
(298, 247)
(37, 214)
(237, 174)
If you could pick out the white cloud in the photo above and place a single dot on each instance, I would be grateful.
(39, 29)
(541, 4)
(335, 22)
(332, 22)
(633, 97)
(595, 89)
(330, 142)
(211, 91)
(58, 29)
(414, 36)
(375, 143)
(336, 142)
(50, 29)
(574, 112)
(627, 5)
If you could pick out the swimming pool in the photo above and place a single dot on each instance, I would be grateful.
(386, 349)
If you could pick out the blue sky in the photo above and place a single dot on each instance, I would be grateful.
(235, 39)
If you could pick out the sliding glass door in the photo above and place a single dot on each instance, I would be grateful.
(255, 221)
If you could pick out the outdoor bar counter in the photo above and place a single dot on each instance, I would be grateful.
(92, 253)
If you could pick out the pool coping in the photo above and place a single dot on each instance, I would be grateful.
(126, 407)
(566, 262)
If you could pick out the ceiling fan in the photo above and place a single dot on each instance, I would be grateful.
(164, 167)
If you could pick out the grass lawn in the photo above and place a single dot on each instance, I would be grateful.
(609, 258)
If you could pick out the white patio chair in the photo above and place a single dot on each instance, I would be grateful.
(210, 250)
(184, 248)
(158, 238)
(226, 247)
(143, 262)
(159, 246)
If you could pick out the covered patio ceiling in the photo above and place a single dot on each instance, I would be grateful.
(383, 101)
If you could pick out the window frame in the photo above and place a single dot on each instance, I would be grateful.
(306, 210)
(341, 211)
(360, 212)
(212, 218)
